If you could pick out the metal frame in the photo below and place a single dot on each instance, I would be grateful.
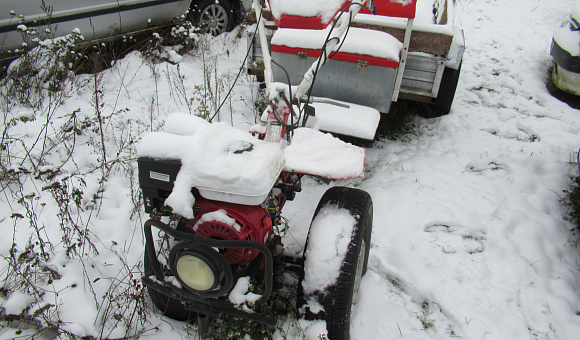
(423, 76)
(207, 303)
(403, 59)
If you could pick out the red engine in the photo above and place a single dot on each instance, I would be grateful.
(225, 221)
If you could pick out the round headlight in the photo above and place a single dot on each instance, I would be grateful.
(200, 269)
(195, 272)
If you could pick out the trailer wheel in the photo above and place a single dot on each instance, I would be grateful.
(169, 307)
(442, 104)
(212, 16)
(338, 298)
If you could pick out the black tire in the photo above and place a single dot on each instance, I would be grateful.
(169, 307)
(212, 16)
(442, 104)
(337, 299)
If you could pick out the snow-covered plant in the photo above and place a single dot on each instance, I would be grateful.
(206, 98)
(170, 43)
(281, 304)
(209, 94)
(54, 203)
(45, 72)
(571, 202)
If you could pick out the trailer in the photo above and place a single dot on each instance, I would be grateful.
(429, 61)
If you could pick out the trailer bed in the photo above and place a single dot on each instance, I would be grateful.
(435, 45)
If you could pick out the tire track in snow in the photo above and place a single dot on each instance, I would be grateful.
(406, 313)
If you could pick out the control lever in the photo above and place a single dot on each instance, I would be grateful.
(324, 101)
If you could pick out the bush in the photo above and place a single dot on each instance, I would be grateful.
(53, 207)
(571, 202)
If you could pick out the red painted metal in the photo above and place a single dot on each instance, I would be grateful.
(389, 8)
(343, 56)
(394, 8)
(253, 221)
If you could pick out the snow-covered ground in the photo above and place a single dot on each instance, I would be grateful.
(469, 239)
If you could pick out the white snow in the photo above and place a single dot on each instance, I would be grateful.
(172, 280)
(218, 160)
(330, 235)
(240, 294)
(575, 12)
(219, 216)
(566, 38)
(17, 302)
(469, 237)
(317, 153)
(215, 158)
(424, 12)
(315, 329)
(358, 41)
(356, 120)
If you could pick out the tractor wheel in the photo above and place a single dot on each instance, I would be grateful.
(212, 16)
(442, 104)
(337, 299)
(169, 307)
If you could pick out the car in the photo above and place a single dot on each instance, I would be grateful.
(25, 22)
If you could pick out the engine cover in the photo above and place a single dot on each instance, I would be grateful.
(225, 221)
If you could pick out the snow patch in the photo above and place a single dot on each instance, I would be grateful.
(316, 153)
(358, 41)
(356, 120)
(219, 216)
(172, 280)
(568, 39)
(315, 329)
(17, 302)
(575, 12)
(213, 161)
(24, 117)
(313, 305)
(328, 240)
(240, 295)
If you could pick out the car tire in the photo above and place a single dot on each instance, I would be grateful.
(212, 16)
(447, 89)
(169, 307)
(338, 298)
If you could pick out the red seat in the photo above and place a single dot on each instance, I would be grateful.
(311, 14)
(394, 8)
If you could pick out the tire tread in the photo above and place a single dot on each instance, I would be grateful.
(337, 299)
